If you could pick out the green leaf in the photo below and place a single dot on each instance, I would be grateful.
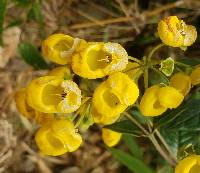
(133, 146)
(156, 77)
(135, 113)
(22, 3)
(3, 4)
(31, 55)
(190, 61)
(125, 126)
(166, 169)
(181, 127)
(131, 162)
(167, 66)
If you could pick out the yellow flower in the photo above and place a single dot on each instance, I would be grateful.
(22, 106)
(62, 71)
(174, 32)
(190, 164)
(170, 97)
(51, 94)
(29, 112)
(112, 97)
(99, 59)
(195, 76)
(57, 137)
(59, 48)
(110, 138)
(181, 82)
(150, 105)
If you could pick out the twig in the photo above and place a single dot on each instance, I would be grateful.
(127, 19)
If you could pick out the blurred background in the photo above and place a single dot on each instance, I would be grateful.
(25, 23)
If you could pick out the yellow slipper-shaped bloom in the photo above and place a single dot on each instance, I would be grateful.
(110, 138)
(22, 106)
(51, 94)
(59, 48)
(112, 97)
(195, 76)
(170, 97)
(190, 164)
(57, 138)
(150, 105)
(181, 82)
(99, 59)
(174, 32)
(62, 71)
(29, 112)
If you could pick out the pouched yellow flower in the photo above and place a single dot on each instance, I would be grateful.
(110, 138)
(29, 112)
(170, 97)
(190, 164)
(58, 137)
(53, 94)
(104, 119)
(59, 48)
(150, 105)
(174, 32)
(112, 97)
(22, 106)
(181, 82)
(195, 76)
(62, 71)
(99, 59)
(132, 69)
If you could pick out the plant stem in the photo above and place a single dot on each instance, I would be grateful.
(152, 138)
(165, 144)
(153, 51)
(182, 64)
(136, 123)
(134, 59)
(159, 72)
(161, 151)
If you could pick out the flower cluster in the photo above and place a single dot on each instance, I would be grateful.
(47, 99)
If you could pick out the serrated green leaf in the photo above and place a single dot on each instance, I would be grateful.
(131, 162)
(31, 55)
(3, 4)
(125, 126)
(133, 146)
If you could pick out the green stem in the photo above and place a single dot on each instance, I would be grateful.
(160, 73)
(153, 140)
(153, 51)
(161, 151)
(182, 64)
(134, 59)
(165, 144)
